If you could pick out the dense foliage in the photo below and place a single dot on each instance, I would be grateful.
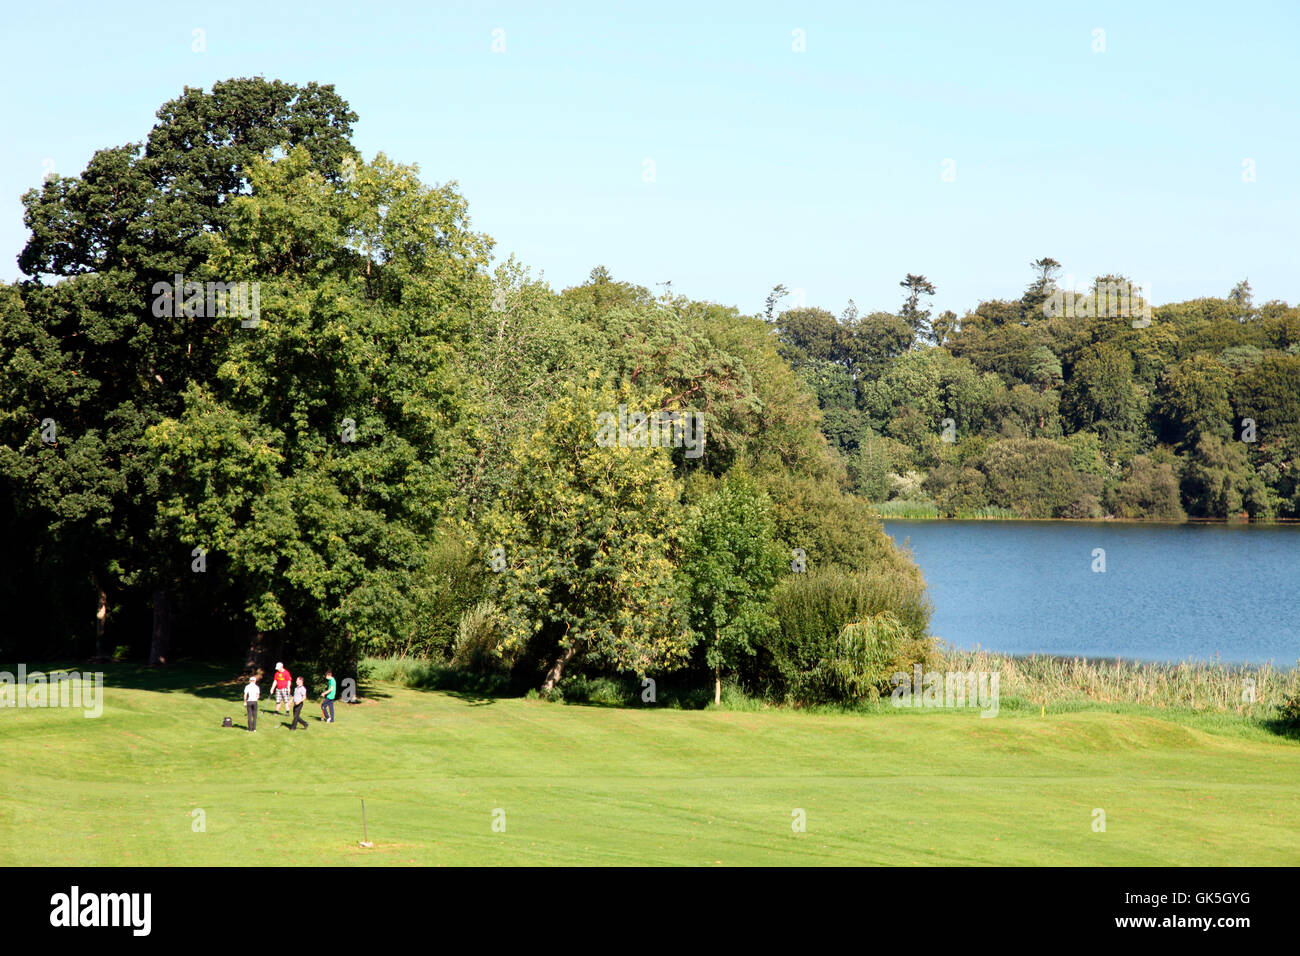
(403, 449)
(1062, 404)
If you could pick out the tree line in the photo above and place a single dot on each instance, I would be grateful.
(1060, 405)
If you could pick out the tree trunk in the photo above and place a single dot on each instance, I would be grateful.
(717, 672)
(101, 615)
(162, 627)
(554, 674)
(256, 659)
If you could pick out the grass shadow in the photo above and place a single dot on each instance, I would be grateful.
(199, 679)
(1287, 729)
(473, 698)
(223, 680)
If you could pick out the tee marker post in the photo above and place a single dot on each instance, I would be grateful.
(365, 837)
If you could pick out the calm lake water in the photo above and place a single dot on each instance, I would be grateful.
(1169, 592)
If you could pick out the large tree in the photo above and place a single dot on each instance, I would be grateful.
(586, 532)
(110, 366)
(317, 462)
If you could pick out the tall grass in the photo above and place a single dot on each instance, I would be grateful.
(899, 508)
(989, 512)
(906, 509)
(1197, 685)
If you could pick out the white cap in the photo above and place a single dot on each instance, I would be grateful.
(279, 666)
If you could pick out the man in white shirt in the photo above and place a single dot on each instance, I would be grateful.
(299, 698)
(251, 694)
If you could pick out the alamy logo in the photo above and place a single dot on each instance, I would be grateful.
(1114, 299)
(950, 689)
(102, 909)
(659, 429)
(63, 689)
(208, 300)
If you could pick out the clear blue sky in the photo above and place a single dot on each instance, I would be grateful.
(819, 169)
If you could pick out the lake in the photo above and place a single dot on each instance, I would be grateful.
(1168, 592)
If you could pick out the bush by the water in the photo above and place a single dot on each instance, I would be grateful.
(864, 656)
(812, 610)
(1288, 713)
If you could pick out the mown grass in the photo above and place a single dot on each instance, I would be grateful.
(642, 784)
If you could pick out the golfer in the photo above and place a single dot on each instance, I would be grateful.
(299, 698)
(251, 695)
(283, 685)
(327, 702)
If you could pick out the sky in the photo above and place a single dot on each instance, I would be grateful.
(831, 147)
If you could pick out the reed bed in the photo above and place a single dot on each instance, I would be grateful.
(906, 509)
(1213, 686)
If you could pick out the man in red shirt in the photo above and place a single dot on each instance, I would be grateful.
(283, 683)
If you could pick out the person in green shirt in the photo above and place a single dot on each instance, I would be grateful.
(327, 702)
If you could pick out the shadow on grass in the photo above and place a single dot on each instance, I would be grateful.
(196, 678)
(206, 680)
(1289, 729)
(475, 699)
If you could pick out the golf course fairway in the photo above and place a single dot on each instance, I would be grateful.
(452, 779)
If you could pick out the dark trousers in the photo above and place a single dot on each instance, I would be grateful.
(327, 708)
(251, 707)
(297, 717)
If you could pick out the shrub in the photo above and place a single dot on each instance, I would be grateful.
(906, 486)
(602, 691)
(450, 582)
(957, 489)
(812, 610)
(1085, 506)
(1150, 490)
(872, 466)
(478, 639)
(1288, 713)
(862, 659)
(1036, 477)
